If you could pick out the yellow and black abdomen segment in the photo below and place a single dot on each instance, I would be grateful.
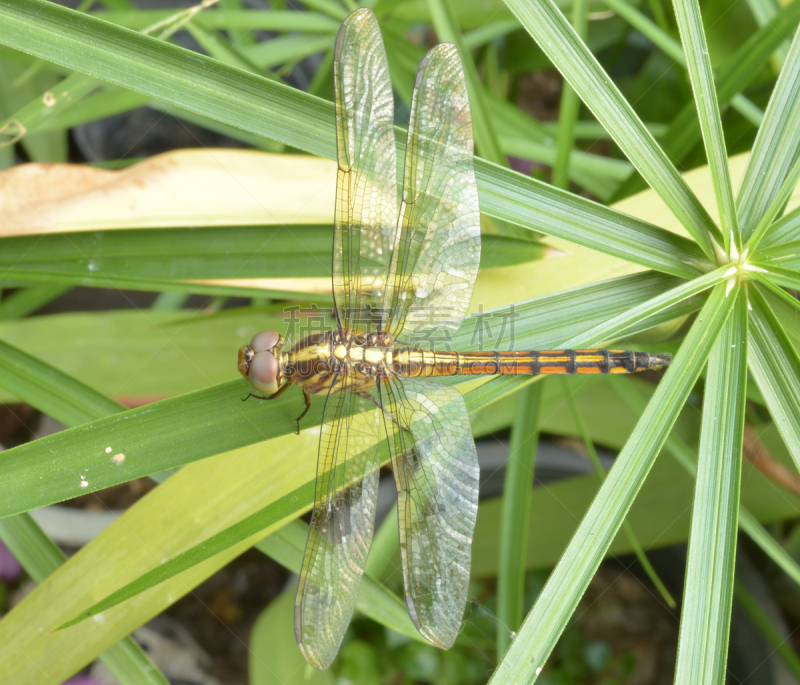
(425, 363)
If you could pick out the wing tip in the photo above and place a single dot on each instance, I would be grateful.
(315, 657)
(442, 51)
(350, 22)
(438, 638)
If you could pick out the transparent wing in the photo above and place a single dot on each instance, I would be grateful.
(340, 533)
(366, 190)
(436, 472)
(435, 261)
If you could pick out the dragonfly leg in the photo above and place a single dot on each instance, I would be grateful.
(273, 396)
(307, 398)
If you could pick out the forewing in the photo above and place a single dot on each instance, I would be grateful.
(435, 261)
(342, 522)
(366, 190)
(436, 472)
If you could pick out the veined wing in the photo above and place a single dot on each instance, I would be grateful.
(435, 261)
(436, 472)
(342, 523)
(366, 186)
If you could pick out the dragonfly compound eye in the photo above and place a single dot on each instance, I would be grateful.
(264, 372)
(264, 341)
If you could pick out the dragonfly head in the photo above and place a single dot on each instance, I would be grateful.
(259, 362)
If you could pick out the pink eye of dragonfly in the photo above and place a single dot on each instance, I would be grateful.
(399, 273)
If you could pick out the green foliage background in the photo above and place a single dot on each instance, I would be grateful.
(716, 288)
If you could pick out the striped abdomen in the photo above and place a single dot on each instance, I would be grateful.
(414, 363)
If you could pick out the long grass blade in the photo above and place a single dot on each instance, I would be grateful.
(708, 595)
(543, 20)
(698, 62)
(636, 546)
(568, 111)
(40, 557)
(270, 109)
(27, 300)
(72, 403)
(767, 628)
(775, 148)
(230, 19)
(50, 390)
(783, 230)
(615, 328)
(748, 523)
(517, 493)
(739, 72)
(673, 49)
(776, 206)
(775, 366)
(560, 596)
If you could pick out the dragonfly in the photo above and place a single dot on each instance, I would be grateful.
(404, 267)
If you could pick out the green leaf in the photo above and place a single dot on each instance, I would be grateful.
(150, 439)
(615, 328)
(270, 109)
(782, 231)
(776, 207)
(72, 403)
(556, 37)
(27, 300)
(568, 111)
(708, 595)
(745, 66)
(764, 11)
(176, 431)
(776, 367)
(748, 522)
(627, 528)
(673, 49)
(690, 25)
(775, 147)
(40, 557)
(106, 258)
(766, 626)
(516, 514)
(50, 390)
(250, 20)
(198, 501)
(560, 596)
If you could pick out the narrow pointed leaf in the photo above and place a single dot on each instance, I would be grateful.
(551, 613)
(40, 557)
(775, 147)
(615, 328)
(196, 425)
(267, 108)
(543, 20)
(698, 62)
(765, 224)
(740, 71)
(708, 595)
(517, 492)
(50, 390)
(776, 367)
